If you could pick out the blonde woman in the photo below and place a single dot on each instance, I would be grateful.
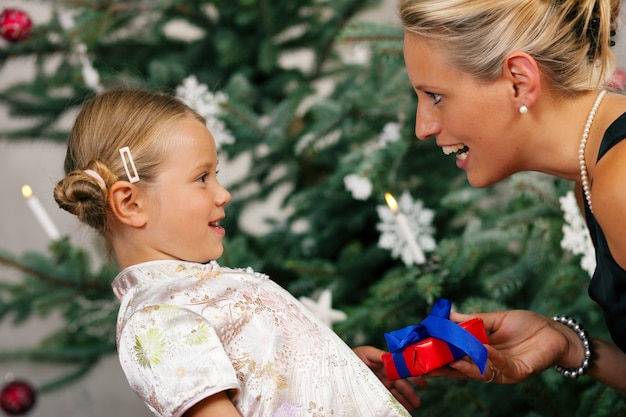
(521, 85)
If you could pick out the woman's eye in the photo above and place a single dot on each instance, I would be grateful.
(436, 97)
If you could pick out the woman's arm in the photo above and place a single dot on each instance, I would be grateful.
(608, 365)
(523, 343)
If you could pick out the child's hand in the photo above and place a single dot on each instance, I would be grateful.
(402, 389)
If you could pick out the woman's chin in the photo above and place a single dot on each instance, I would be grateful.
(480, 182)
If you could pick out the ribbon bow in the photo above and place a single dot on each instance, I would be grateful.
(437, 325)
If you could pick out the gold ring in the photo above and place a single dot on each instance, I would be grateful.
(494, 373)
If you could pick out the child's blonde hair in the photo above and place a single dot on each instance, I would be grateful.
(121, 117)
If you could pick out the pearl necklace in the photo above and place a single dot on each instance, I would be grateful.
(583, 144)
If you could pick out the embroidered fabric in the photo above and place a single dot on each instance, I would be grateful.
(186, 331)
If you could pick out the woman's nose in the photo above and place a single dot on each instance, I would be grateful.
(426, 125)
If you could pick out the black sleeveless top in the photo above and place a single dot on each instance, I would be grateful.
(608, 284)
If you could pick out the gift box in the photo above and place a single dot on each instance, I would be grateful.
(419, 349)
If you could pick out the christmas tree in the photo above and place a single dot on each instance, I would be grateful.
(316, 104)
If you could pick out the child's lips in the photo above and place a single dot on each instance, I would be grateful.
(217, 228)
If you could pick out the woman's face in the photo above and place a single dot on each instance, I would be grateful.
(470, 119)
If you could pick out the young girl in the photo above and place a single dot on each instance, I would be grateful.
(507, 86)
(194, 338)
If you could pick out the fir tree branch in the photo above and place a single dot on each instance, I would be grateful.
(33, 272)
(525, 186)
(340, 23)
(68, 378)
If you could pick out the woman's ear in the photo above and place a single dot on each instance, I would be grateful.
(126, 204)
(523, 73)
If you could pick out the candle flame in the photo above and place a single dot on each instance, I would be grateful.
(27, 192)
(391, 202)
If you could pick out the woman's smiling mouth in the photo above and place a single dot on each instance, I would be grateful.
(459, 149)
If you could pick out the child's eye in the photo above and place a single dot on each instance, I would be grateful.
(436, 97)
(203, 177)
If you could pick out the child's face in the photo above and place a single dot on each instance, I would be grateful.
(187, 201)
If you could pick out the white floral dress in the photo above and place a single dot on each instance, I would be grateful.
(186, 331)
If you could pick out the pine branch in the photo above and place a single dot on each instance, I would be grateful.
(27, 269)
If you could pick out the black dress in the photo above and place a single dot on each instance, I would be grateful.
(608, 284)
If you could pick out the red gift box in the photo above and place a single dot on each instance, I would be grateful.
(431, 353)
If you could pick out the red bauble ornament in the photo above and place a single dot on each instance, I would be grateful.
(15, 25)
(618, 82)
(17, 398)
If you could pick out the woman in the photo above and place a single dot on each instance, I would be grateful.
(520, 85)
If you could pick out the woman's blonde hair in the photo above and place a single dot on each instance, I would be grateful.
(121, 117)
(569, 39)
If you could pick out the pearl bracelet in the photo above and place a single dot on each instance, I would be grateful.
(582, 334)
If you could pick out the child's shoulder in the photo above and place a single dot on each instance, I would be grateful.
(165, 272)
(246, 271)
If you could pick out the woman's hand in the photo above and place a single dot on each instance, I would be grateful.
(403, 390)
(521, 343)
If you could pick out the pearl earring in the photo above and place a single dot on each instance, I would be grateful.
(523, 109)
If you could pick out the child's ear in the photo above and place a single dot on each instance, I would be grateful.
(126, 202)
(522, 71)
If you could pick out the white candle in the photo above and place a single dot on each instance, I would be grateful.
(405, 230)
(40, 213)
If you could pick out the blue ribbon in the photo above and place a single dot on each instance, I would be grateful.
(437, 325)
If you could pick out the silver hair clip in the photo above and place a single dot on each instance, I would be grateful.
(125, 153)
